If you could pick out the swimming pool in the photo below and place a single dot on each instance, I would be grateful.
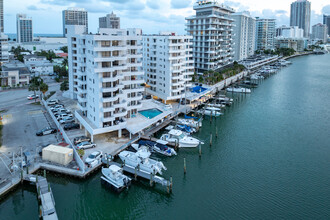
(150, 113)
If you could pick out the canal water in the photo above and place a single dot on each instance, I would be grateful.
(270, 161)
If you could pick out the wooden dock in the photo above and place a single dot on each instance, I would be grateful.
(45, 196)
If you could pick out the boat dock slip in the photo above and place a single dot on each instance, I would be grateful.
(45, 195)
(155, 140)
(136, 172)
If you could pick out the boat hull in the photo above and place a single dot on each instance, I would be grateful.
(106, 182)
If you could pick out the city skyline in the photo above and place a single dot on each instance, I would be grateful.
(149, 15)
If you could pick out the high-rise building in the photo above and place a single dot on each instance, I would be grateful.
(105, 76)
(289, 32)
(265, 34)
(74, 16)
(245, 31)
(326, 20)
(1, 17)
(320, 32)
(109, 21)
(24, 28)
(301, 15)
(168, 64)
(212, 29)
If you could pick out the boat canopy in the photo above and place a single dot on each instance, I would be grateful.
(190, 117)
(114, 168)
(198, 89)
(175, 132)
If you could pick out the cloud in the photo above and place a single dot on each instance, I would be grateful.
(153, 4)
(62, 2)
(33, 8)
(178, 4)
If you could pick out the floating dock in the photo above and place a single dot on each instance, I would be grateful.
(45, 196)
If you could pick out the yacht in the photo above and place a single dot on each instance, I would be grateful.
(256, 77)
(141, 159)
(217, 105)
(238, 90)
(159, 146)
(211, 111)
(115, 177)
(190, 122)
(177, 136)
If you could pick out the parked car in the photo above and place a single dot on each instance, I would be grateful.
(31, 97)
(70, 126)
(52, 102)
(66, 120)
(46, 131)
(62, 116)
(80, 139)
(85, 145)
(96, 155)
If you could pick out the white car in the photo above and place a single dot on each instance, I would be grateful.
(85, 145)
(66, 120)
(53, 102)
(96, 155)
(31, 97)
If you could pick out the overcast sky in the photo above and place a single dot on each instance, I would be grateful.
(150, 15)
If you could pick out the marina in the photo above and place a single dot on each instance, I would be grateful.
(237, 118)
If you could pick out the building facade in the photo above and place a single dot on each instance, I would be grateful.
(74, 16)
(168, 65)
(289, 32)
(298, 44)
(265, 34)
(105, 76)
(14, 73)
(109, 21)
(1, 17)
(212, 31)
(244, 31)
(301, 16)
(326, 20)
(320, 32)
(24, 28)
(4, 48)
(38, 65)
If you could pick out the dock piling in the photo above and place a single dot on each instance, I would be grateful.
(184, 166)
(200, 149)
(210, 139)
(171, 183)
(216, 131)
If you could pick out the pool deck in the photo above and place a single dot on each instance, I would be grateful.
(140, 122)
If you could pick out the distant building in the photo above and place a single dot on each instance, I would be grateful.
(1, 17)
(24, 28)
(245, 33)
(168, 65)
(320, 32)
(265, 34)
(38, 65)
(109, 21)
(74, 16)
(298, 44)
(14, 73)
(326, 20)
(212, 29)
(4, 54)
(301, 15)
(289, 32)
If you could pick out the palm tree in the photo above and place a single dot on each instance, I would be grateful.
(44, 88)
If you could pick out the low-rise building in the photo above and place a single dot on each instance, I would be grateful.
(4, 54)
(38, 65)
(14, 73)
(289, 32)
(168, 64)
(298, 44)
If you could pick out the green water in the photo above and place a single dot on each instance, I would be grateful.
(270, 161)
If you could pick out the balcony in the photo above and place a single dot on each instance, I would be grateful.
(114, 88)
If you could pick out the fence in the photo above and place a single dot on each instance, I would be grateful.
(66, 138)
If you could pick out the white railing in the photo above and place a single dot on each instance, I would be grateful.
(66, 138)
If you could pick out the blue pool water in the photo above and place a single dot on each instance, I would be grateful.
(150, 113)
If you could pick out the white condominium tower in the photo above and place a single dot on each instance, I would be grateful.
(105, 76)
(300, 15)
(212, 29)
(245, 33)
(1, 17)
(265, 34)
(74, 16)
(320, 32)
(109, 21)
(168, 65)
(24, 28)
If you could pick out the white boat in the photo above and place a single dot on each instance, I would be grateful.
(224, 98)
(177, 136)
(159, 146)
(115, 177)
(238, 90)
(190, 122)
(142, 161)
(217, 105)
(211, 111)
(256, 77)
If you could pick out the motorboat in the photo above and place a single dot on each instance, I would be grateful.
(115, 177)
(249, 84)
(159, 146)
(190, 122)
(183, 140)
(238, 90)
(142, 161)
(224, 98)
(211, 111)
(256, 77)
(217, 105)
(186, 128)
